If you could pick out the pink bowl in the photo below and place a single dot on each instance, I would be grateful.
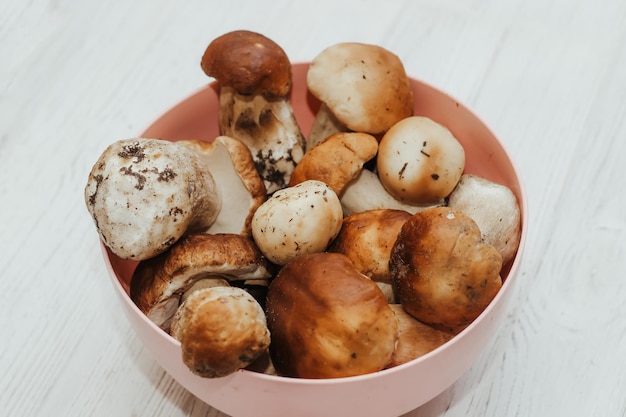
(390, 392)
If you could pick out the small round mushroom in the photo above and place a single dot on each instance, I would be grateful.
(145, 194)
(494, 208)
(297, 220)
(254, 74)
(442, 271)
(337, 160)
(364, 86)
(420, 161)
(328, 320)
(231, 164)
(221, 330)
(158, 284)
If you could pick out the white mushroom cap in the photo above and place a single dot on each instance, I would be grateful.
(297, 220)
(494, 208)
(420, 161)
(364, 86)
(144, 194)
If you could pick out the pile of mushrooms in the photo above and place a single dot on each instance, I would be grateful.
(361, 248)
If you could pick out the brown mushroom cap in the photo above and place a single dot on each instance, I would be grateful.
(336, 161)
(442, 271)
(327, 320)
(221, 330)
(158, 284)
(248, 62)
(367, 238)
(364, 86)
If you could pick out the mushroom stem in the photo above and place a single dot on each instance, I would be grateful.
(269, 128)
(325, 124)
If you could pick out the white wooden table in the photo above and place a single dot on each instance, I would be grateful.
(548, 76)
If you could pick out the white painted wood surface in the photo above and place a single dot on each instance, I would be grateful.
(548, 76)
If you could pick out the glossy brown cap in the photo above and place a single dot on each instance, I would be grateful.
(248, 62)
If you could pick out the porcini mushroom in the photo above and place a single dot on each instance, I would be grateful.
(254, 74)
(327, 320)
(232, 167)
(419, 160)
(494, 208)
(297, 220)
(221, 330)
(443, 273)
(158, 284)
(337, 160)
(364, 86)
(145, 194)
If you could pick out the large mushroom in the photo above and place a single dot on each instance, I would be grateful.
(362, 87)
(145, 194)
(254, 74)
(443, 272)
(159, 284)
(328, 320)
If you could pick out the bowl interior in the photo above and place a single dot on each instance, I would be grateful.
(196, 118)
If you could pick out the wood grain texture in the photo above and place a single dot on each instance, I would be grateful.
(548, 77)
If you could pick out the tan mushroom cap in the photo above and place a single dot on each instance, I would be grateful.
(442, 271)
(221, 330)
(336, 161)
(419, 160)
(364, 86)
(158, 284)
(248, 62)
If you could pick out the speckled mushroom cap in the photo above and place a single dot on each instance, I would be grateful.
(248, 62)
(364, 86)
(134, 195)
(419, 161)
